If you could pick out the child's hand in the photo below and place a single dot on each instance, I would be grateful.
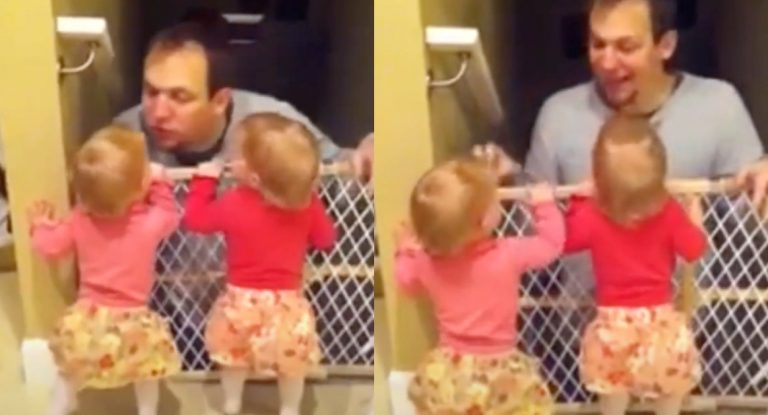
(41, 213)
(209, 169)
(499, 162)
(405, 237)
(239, 170)
(694, 209)
(585, 188)
(541, 193)
(158, 172)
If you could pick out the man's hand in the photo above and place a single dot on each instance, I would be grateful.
(501, 164)
(361, 159)
(41, 213)
(755, 179)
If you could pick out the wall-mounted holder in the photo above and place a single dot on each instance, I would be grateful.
(91, 30)
(474, 70)
(444, 83)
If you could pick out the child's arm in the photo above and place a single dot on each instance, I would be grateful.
(578, 227)
(540, 250)
(50, 238)
(688, 238)
(322, 234)
(163, 216)
(202, 213)
(408, 255)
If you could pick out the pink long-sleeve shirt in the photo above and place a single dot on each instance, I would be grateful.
(475, 293)
(115, 256)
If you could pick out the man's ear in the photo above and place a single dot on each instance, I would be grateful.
(221, 100)
(667, 45)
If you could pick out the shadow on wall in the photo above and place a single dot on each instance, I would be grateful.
(7, 253)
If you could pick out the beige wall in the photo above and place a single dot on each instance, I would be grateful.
(30, 127)
(456, 123)
(43, 118)
(401, 116)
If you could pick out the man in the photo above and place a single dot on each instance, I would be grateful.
(188, 110)
(703, 122)
(188, 113)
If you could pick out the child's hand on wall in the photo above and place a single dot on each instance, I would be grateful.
(405, 237)
(541, 193)
(209, 169)
(41, 213)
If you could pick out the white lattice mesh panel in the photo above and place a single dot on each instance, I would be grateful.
(731, 324)
(339, 283)
(732, 327)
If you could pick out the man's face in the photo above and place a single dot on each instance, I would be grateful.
(175, 98)
(626, 60)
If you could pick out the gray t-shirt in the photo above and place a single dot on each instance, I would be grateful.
(704, 125)
(244, 103)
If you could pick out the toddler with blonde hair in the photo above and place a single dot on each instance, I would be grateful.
(473, 281)
(262, 323)
(638, 345)
(109, 337)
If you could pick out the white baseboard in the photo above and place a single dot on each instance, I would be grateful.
(398, 393)
(38, 365)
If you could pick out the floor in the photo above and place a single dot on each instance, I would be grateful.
(333, 396)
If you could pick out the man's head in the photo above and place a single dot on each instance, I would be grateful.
(630, 42)
(186, 86)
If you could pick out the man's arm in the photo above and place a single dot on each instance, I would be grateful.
(740, 144)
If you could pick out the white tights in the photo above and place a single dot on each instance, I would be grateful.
(233, 382)
(64, 399)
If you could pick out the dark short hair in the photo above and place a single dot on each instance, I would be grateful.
(213, 42)
(663, 14)
(209, 18)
